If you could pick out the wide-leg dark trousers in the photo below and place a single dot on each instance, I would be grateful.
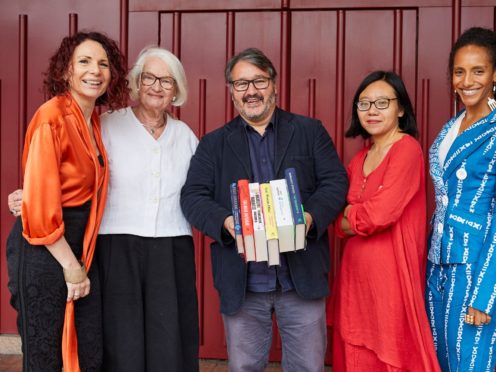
(150, 310)
(39, 293)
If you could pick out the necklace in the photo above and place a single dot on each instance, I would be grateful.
(152, 129)
(385, 147)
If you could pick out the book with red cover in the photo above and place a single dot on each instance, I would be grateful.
(246, 219)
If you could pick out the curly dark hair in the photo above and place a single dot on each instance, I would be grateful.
(478, 36)
(55, 83)
(407, 122)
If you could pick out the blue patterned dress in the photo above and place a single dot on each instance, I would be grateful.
(461, 270)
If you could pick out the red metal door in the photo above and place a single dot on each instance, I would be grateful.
(321, 48)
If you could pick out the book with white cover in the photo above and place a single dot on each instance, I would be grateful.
(284, 217)
(258, 223)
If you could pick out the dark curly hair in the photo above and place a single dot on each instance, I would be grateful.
(478, 36)
(407, 122)
(55, 83)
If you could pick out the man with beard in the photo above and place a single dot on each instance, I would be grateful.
(259, 145)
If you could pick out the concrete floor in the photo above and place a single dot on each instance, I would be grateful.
(11, 360)
(13, 363)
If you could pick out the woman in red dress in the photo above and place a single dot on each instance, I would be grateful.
(379, 319)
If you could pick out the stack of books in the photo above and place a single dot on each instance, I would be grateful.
(268, 218)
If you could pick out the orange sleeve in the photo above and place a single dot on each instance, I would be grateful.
(402, 181)
(41, 204)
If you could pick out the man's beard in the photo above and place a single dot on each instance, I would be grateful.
(267, 107)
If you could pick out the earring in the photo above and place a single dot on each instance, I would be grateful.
(491, 102)
(174, 99)
(455, 102)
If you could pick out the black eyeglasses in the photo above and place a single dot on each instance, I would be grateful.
(243, 85)
(380, 104)
(166, 82)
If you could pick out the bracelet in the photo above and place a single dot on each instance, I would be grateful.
(75, 276)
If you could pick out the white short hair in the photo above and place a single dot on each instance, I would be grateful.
(175, 67)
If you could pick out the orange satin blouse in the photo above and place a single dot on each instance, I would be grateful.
(61, 169)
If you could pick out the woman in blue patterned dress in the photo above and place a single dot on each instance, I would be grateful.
(461, 271)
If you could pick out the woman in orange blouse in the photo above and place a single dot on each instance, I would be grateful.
(65, 184)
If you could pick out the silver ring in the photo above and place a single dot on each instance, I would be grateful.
(13, 211)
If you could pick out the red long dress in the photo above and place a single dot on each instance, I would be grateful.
(378, 305)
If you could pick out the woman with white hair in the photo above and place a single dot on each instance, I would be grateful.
(145, 248)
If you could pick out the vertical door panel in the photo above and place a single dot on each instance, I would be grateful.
(478, 16)
(203, 53)
(167, 31)
(313, 81)
(143, 31)
(369, 37)
(433, 94)
(313, 66)
(261, 30)
(408, 52)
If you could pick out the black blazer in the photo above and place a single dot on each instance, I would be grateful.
(223, 157)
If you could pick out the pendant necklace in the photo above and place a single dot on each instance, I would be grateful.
(152, 129)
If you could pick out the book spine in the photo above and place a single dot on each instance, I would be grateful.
(294, 196)
(258, 222)
(270, 225)
(256, 206)
(246, 219)
(237, 218)
(284, 218)
(282, 206)
(268, 212)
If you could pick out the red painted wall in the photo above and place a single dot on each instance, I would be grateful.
(322, 50)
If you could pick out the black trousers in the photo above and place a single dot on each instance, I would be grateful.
(150, 310)
(39, 293)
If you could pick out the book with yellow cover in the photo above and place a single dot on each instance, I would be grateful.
(270, 224)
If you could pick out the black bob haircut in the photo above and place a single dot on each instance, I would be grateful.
(407, 122)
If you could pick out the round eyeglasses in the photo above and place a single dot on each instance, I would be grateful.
(243, 85)
(166, 82)
(380, 104)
